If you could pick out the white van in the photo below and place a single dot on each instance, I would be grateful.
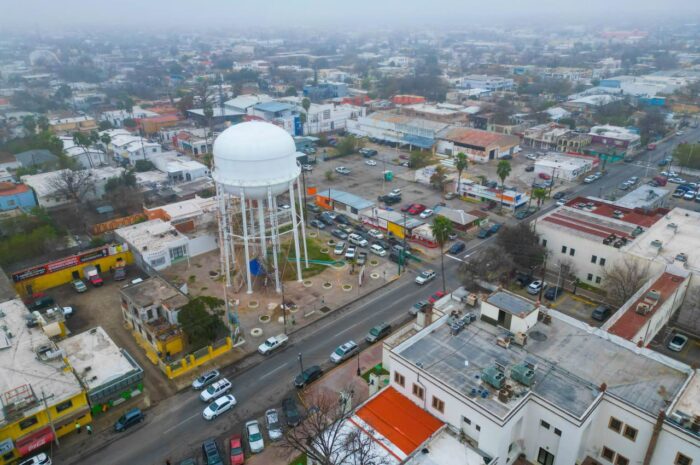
(357, 240)
(377, 250)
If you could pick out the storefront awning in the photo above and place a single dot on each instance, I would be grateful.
(35, 440)
(418, 141)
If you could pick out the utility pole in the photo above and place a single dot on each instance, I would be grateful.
(544, 274)
(402, 256)
(48, 414)
(301, 364)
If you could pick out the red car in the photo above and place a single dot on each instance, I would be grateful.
(237, 457)
(416, 208)
(406, 207)
(544, 176)
(435, 297)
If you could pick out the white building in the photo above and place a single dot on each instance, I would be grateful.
(47, 194)
(391, 127)
(246, 102)
(566, 394)
(88, 157)
(116, 117)
(563, 166)
(179, 167)
(155, 243)
(482, 81)
(330, 117)
(473, 190)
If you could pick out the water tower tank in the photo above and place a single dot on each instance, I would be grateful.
(253, 157)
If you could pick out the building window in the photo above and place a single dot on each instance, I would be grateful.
(590, 277)
(597, 279)
(544, 457)
(607, 454)
(615, 424)
(563, 249)
(466, 420)
(682, 460)
(438, 404)
(572, 252)
(544, 424)
(544, 242)
(478, 428)
(178, 252)
(594, 259)
(602, 262)
(399, 379)
(28, 422)
(64, 406)
(630, 433)
(418, 391)
(620, 460)
(557, 431)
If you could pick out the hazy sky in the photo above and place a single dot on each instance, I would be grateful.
(196, 14)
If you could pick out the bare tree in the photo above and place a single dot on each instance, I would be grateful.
(327, 438)
(491, 265)
(624, 278)
(74, 185)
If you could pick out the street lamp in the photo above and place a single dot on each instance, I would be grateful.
(359, 372)
(301, 364)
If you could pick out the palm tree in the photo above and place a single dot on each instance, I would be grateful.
(442, 228)
(503, 169)
(539, 194)
(461, 165)
(83, 141)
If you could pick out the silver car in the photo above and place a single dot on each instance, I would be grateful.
(274, 428)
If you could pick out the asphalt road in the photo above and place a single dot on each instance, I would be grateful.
(175, 427)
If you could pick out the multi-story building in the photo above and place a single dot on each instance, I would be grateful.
(155, 243)
(16, 196)
(479, 146)
(151, 307)
(392, 127)
(282, 114)
(442, 112)
(544, 136)
(72, 124)
(482, 81)
(330, 117)
(564, 166)
(551, 390)
(325, 91)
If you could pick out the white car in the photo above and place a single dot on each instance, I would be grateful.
(219, 406)
(217, 389)
(396, 191)
(377, 250)
(531, 156)
(535, 287)
(40, 459)
(342, 170)
(375, 233)
(274, 428)
(589, 179)
(426, 213)
(425, 276)
(677, 342)
(255, 437)
(350, 253)
(339, 248)
(370, 163)
(205, 379)
(344, 352)
(690, 195)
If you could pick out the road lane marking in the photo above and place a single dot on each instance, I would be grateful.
(181, 423)
(270, 373)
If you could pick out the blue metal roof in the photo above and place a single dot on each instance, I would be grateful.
(419, 141)
(273, 107)
(351, 200)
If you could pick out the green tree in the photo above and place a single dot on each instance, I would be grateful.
(442, 228)
(503, 170)
(43, 123)
(29, 124)
(199, 321)
(328, 175)
(306, 104)
(348, 145)
(539, 194)
(418, 159)
(83, 141)
(438, 178)
(461, 164)
(687, 155)
(651, 125)
(143, 165)
(291, 91)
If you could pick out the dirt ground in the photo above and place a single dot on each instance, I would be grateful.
(101, 307)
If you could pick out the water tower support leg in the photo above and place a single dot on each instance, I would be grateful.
(274, 238)
(295, 226)
(261, 228)
(303, 227)
(245, 243)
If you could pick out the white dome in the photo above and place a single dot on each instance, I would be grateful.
(253, 156)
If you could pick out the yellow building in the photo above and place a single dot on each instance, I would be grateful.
(72, 124)
(150, 308)
(40, 396)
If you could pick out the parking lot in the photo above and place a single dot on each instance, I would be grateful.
(690, 354)
(575, 306)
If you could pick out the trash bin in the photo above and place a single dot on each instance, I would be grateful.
(388, 175)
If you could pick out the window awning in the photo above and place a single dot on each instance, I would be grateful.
(35, 440)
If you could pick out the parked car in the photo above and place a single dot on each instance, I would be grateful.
(690, 195)
(358, 240)
(217, 389)
(308, 376)
(427, 213)
(553, 293)
(390, 199)
(339, 234)
(523, 279)
(291, 411)
(342, 170)
(456, 248)
(255, 438)
(307, 168)
(236, 447)
(559, 195)
(370, 163)
(495, 227)
(78, 286)
(361, 258)
(344, 352)
(677, 342)
(531, 156)
(483, 233)
(342, 219)
(378, 332)
(418, 306)
(535, 287)
(589, 179)
(205, 379)
(119, 273)
(435, 297)
(416, 209)
(210, 452)
(317, 224)
(425, 277)
(375, 234)
(219, 406)
(272, 421)
(350, 253)
(544, 176)
(601, 313)
(40, 303)
(450, 195)
(130, 418)
(529, 169)
(339, 248)
(273, 343)
(312, 207)
(39, 459)
(377, 250)
(406, 207)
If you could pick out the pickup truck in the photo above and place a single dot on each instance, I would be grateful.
(361, 258)
(92, 275)
(272, 344)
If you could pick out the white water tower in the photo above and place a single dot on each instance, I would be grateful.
(254, 163)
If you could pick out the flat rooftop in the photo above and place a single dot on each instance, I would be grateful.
(155, 290)
(572, 361)
(643, 197)
(657, 293)
(445, 448)
(95, 357)
(676, 233)
(29, 359)
(511, 303)
(151, 236)
(478, 137)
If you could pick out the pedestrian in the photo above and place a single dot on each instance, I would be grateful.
(88, 428)
(77, 427)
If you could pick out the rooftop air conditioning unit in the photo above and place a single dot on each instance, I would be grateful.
(653, 296)
(656, 243)
(673, 226)
(643, 308)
